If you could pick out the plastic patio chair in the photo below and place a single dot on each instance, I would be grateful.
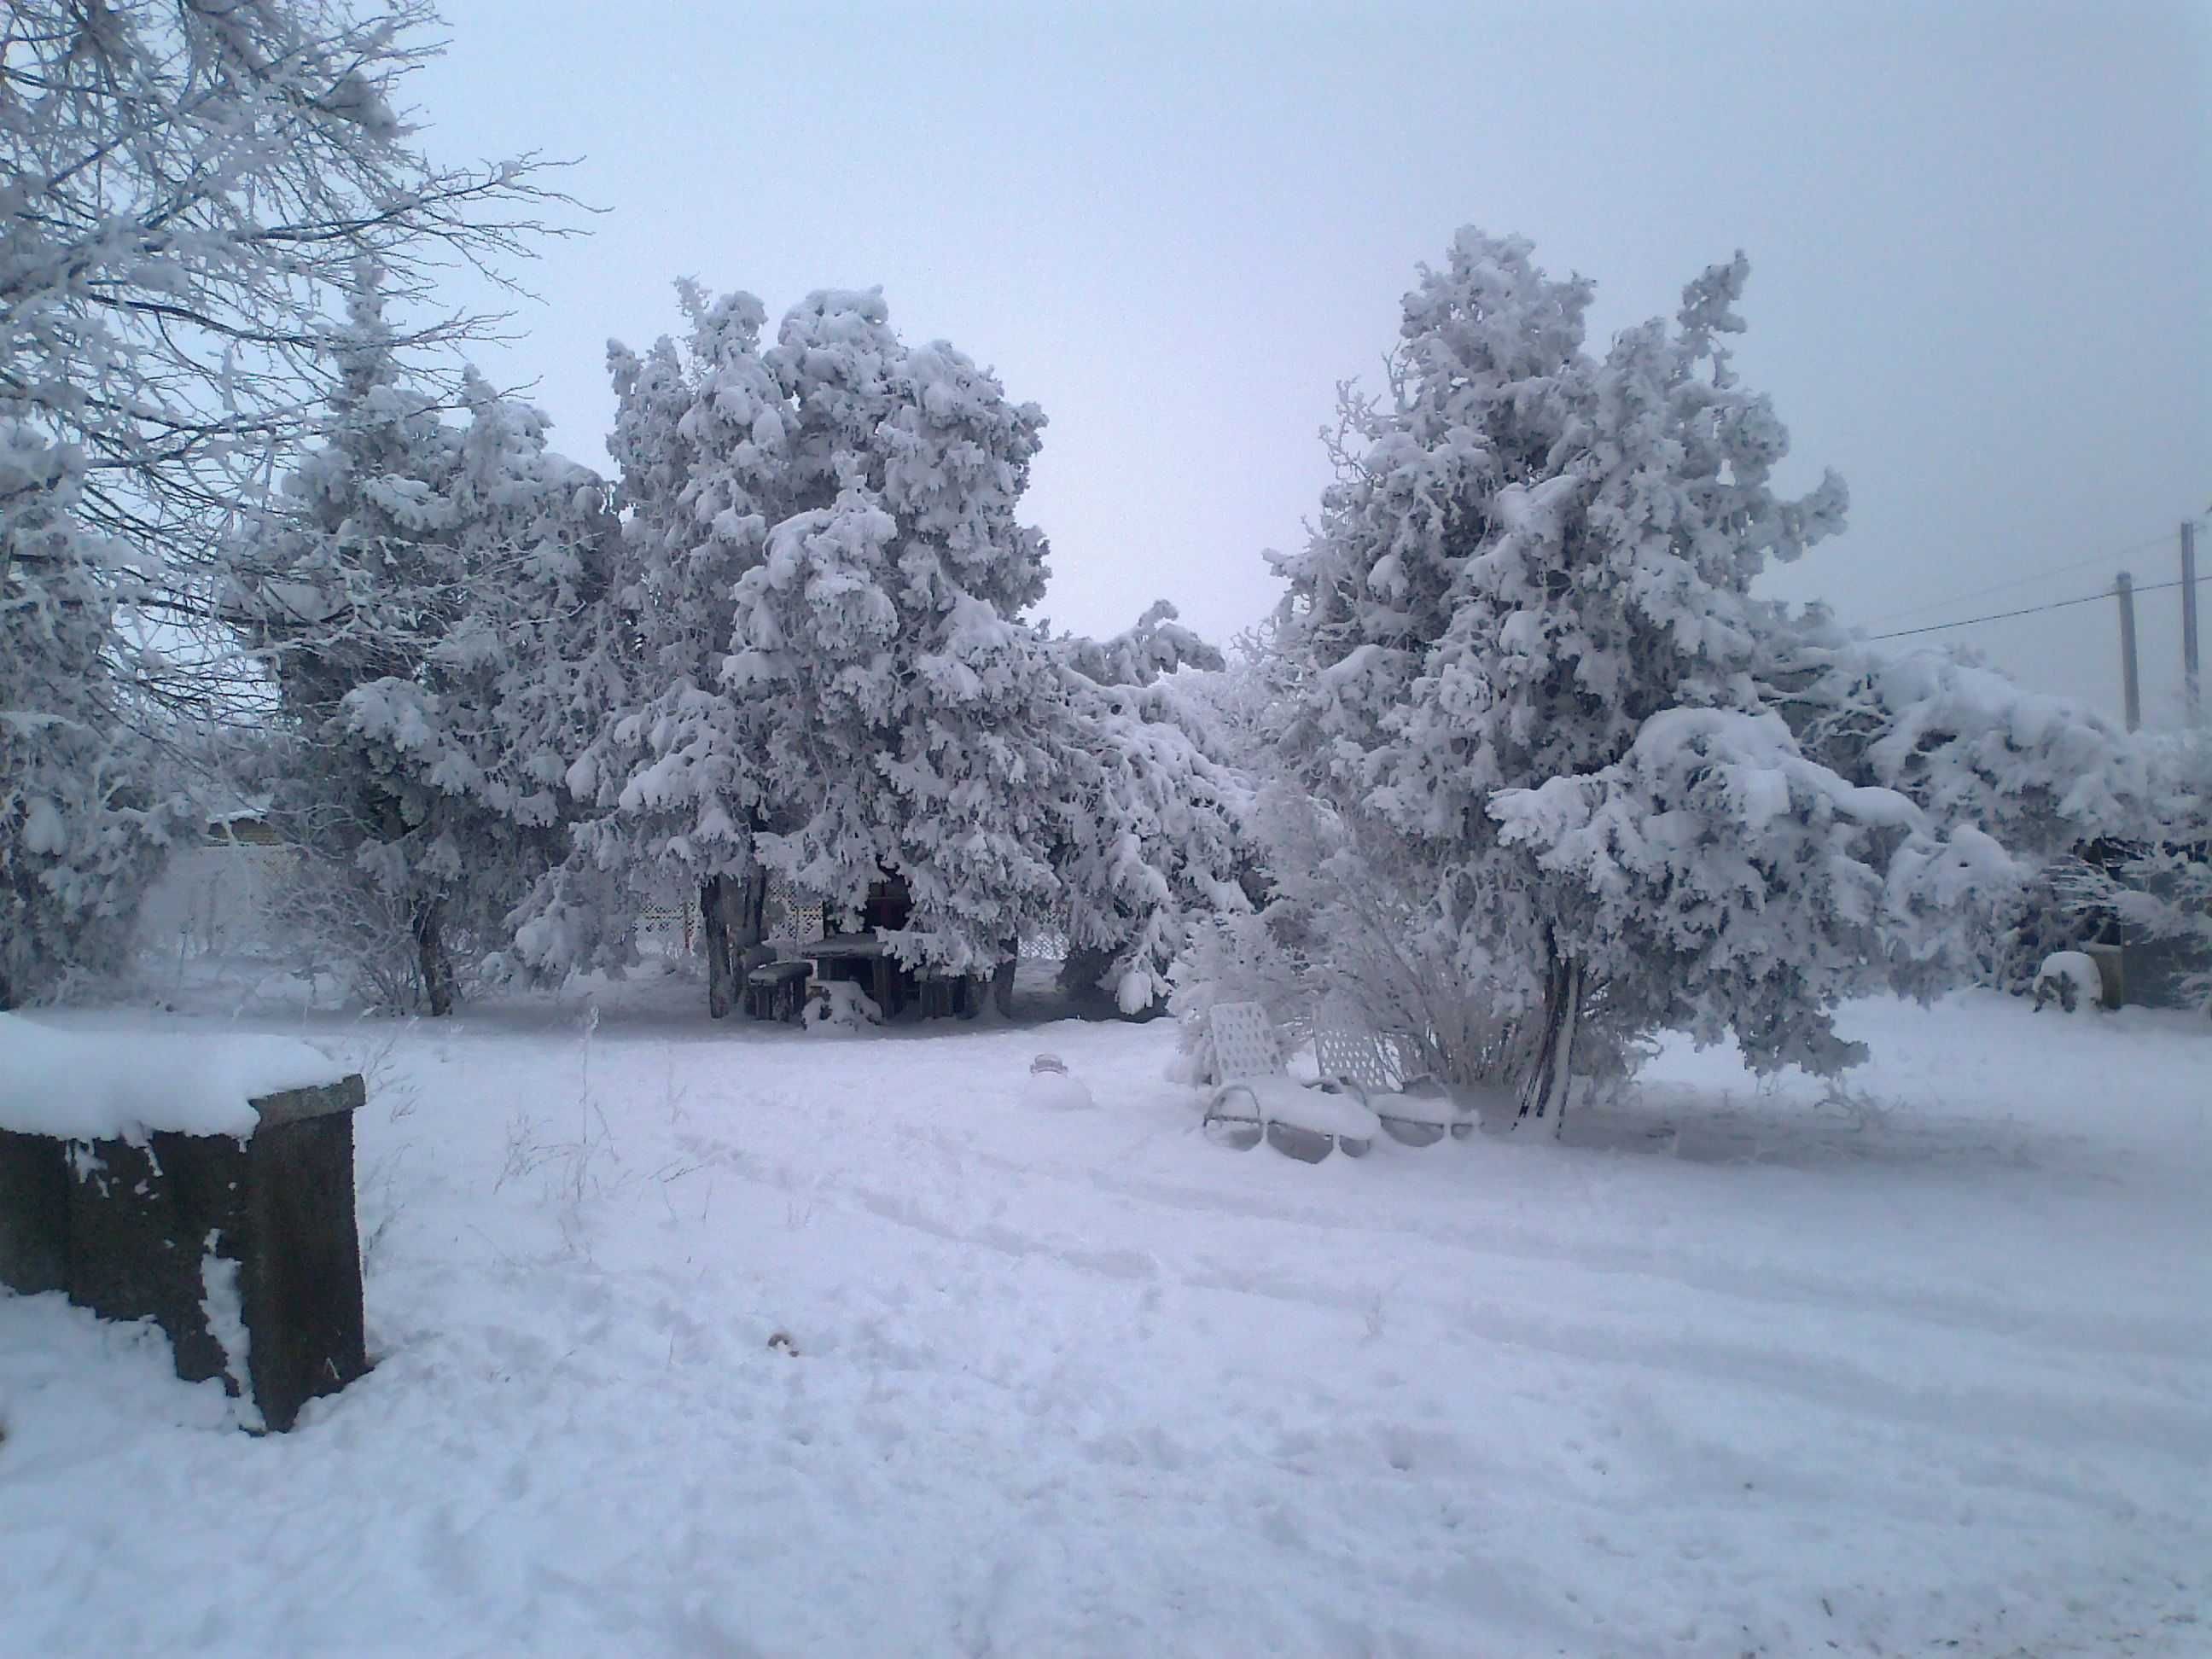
(1254, 1097)
(1413, 1108)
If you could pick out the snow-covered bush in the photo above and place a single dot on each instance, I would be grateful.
(1338, 939)
(324, 922)
(2155, 887)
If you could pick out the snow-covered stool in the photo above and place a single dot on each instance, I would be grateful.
(776, 990)
(839, 1005)
(146, 1185)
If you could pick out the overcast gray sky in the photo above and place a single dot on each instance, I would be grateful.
(1980, 235)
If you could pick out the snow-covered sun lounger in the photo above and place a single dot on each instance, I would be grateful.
(1414, 1110)
(1254, 1099)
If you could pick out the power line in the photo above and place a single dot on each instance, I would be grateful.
(2021, 582)
(2028, 610)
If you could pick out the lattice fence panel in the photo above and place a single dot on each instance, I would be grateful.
(669, 929)
(793, 917)
(1044, 943)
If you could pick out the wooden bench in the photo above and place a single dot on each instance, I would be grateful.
(946, 996)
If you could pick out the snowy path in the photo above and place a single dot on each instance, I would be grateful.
(1737, 1373)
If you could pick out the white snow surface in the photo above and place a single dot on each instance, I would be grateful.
(715, 1340)
(104, 1083)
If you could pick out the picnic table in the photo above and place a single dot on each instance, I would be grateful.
(859, 957)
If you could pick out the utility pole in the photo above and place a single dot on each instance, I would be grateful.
(2189, 681)
(2124, 586)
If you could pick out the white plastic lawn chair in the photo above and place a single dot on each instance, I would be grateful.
(1254, 1098)
(1413, 1107)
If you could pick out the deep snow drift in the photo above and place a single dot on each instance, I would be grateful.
(738, 1339)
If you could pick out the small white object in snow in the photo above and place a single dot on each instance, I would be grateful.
(119, 1086)
(1050, 1086)
(2070, 979)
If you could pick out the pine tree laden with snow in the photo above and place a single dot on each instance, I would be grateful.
(670, 778)
(417, 602)
(1152, 835)
(1534, 678)
(891, 615)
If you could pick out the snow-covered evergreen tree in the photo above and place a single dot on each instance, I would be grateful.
(350, 588)
(1152, 813)
(480, 732)
(891, 617)
(86, 820)
(421, 600)
(815, 658)
(671, 778)
(1534, 678)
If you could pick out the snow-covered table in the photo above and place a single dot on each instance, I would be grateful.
(203, 1181)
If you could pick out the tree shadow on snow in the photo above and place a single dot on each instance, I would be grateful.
(1801, 1131)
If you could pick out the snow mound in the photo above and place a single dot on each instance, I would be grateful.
(125, 1086)
(1049, 1086)
(2070, 979)
(842, 1006)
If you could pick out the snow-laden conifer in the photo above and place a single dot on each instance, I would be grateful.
(416, 599)
(1533, 674)
(670, 774)
(888, 619)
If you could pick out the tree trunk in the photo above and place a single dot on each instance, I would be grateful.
(749, 925)
(431, 959)
(714, 904)
(1002, 980)
(1551, 1074)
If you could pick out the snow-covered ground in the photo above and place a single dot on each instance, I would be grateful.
(736, 1339)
